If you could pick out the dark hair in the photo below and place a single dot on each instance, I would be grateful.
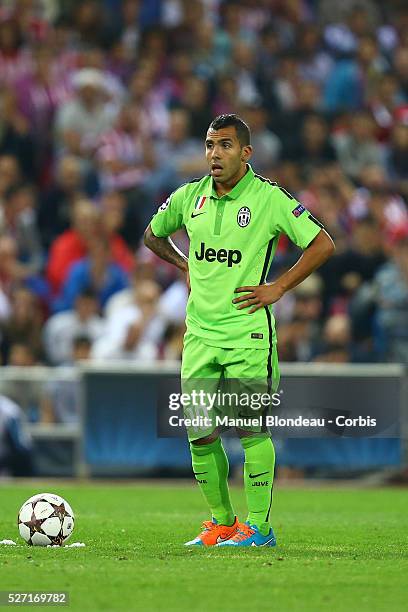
(16, 188)
(88, 293)
(82, 340)
(241, 128)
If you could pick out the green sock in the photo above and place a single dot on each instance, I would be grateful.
(258, 480)
(210, 467)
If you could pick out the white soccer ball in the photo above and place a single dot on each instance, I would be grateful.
(45, 519)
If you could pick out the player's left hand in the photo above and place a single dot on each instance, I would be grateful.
(258, 296)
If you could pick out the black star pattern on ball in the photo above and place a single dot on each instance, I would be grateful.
(59, 511)
(35, 524)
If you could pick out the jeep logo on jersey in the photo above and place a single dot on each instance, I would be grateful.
(243, 216)
(232, 256)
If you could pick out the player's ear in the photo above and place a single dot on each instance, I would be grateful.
(246, 153)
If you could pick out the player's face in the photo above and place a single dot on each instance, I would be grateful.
(225, 156)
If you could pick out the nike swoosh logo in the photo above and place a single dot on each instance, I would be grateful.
(256, 475)
(197, 214)
(198, 473)
(220, 539)
(264, 544)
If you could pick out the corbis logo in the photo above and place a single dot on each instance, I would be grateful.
(243, 216)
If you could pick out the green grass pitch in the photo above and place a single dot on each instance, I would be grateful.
(338, 549)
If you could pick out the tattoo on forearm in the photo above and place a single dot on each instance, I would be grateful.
(166, 249)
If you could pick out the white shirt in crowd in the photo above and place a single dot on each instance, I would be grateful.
(171, 306)
(60, 331)
(111, 344)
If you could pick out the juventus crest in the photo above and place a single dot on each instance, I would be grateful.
(243, 216)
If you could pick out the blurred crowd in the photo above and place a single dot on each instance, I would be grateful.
(103, 110)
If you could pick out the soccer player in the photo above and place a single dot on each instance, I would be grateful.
(234, 218)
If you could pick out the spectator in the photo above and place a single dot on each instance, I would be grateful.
(134, 331)
(61, 397)
(206, 59)
(299, 319)
(23, 327)
(196, 100)
(286, 82)
(243, 61)
(39, 94)
(81, 121)
(150, 100)
(268, 53)
(125, 153)
(171, 304)
(183, 35)
(384, 102)
(347, 21)
(401, 68)
(9, 173)
(376, 197)
(316, 63)
(351, 82)
(90, 22)
(336, 340)
(126, 162)
(22, 355)
(358, 148)
(398, 157)
(18, 219)
(15, 137)
(179, 151)
(266, 144)
(117, 226)
(181, 70)
(73, 244)
(61, 329)
(391, 284)
(172, 345)
(128, 26)
(314, 148)
(10, 273)
(94, 59)
(15, 59)
(97, 272)
(356, 265)
(225, 99)
(57, 202)
(232, 30)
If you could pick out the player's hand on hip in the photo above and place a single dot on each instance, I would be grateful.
(258, 296)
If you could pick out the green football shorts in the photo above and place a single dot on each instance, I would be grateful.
(227, 387)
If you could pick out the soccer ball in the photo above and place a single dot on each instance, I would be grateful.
(45, 519)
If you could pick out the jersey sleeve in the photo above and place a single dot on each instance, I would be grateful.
(293, 219)
(169, 216)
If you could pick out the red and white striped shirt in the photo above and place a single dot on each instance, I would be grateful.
(15, 67)
(126, 148)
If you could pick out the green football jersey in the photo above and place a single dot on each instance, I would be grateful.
(233, 239)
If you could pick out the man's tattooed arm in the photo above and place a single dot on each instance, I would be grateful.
(166, 249)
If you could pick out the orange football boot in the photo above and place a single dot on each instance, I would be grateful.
(213, 533)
